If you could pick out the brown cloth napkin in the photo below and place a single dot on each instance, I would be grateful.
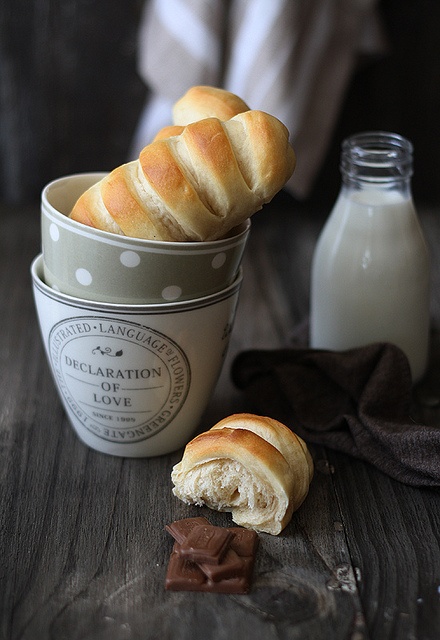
(355, 401)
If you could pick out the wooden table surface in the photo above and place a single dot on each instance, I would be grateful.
(83, 551)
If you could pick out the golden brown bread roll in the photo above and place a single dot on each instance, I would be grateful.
(200, 102)
(194, 186)
(253, 466)
(203, 101)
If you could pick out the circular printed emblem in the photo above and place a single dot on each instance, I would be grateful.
(123, 381)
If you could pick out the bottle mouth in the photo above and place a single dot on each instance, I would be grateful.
(377, 156)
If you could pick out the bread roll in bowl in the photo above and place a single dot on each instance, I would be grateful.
(253, 466)
(195, 186)
(200, 102)
(204, 101)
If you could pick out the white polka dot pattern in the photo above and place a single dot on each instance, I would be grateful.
(84, 277)
(54, 232)
(218, 260)
(130, 259)
(173, 292)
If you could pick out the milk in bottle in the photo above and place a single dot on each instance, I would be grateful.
(370, 271)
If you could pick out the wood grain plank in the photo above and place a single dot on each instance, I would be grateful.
(83, 550)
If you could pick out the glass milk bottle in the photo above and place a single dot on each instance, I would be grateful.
(371, 268)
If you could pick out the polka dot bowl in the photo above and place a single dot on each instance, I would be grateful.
(96, 265)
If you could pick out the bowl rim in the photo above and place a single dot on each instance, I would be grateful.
(48, 210)
(36, 270)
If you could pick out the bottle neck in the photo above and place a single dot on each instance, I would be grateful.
(377, 160)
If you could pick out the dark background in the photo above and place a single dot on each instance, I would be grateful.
(70, 95)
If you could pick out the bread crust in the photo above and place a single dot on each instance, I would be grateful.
(179, 199)
(90, 210)
(203, 101)
(290, 445)
(133, 216)
(168, 132)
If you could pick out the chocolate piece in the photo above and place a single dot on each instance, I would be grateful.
(181, 528)
(206, 543)
(231, 552)
(184, 575)
(231, 566)
(244, 541)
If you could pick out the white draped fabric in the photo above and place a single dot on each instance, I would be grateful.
(291, 58)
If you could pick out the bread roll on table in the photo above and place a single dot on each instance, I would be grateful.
(253, 466)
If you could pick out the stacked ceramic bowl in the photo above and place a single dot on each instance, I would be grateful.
(135, 330)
